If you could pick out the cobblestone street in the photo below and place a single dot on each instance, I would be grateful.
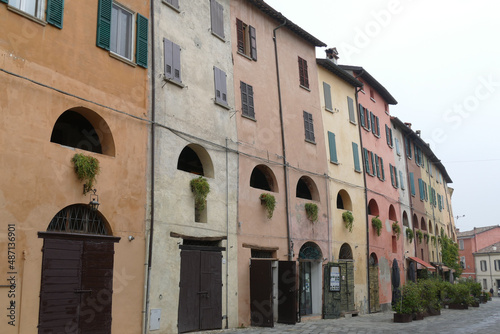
(484, 319)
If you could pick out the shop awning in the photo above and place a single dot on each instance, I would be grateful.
(423, 263)
(445, 268)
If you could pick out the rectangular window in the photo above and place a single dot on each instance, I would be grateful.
(333, 148)
(394, 176)
(484, 267)
(375, 124)
(388, 135)
(121, 31)
(367, 161)
(401, 180)
(220, 87)
(462, 262)
(372, 156)
(247, 39)
(421, 189)
(412, 184)
(364, 116)
(308, 126)
(217, 18)
(355, 154)
(350, 106)
(377, 165)
(398, 150)
(485, 284)
(173, 3)
(247, 105)
(379, 162)
(408, 147)
(303, 76)
(328, 96)
(497, 265)
(31, 7)
(172, 60)
(461, 244)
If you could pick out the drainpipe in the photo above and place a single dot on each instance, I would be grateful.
(227, 236)
(366, 198)
(152, 194)
(285, 163)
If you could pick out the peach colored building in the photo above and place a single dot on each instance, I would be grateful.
(282, 153)
(382, 192)
(69, 86)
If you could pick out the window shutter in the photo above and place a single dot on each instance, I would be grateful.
(303, 77)
(396, 177)
(401, 180)
(378, 126)
(168, 58)
(5, 1)
(328, 96)
(308, 126)
(104, 23)
(217, 18)
(174, 3)
(362, 115)
(244, 98)
(420, 191)
(377, 163)
(251, 109)
(253, 42)
(372, 118)
(141, 51)
(387, 134)
(333, 148)
(392, 175)
(355, 155)
(367, 162)
(412, 184)
(176, 57)
(55, 12)
(382, 169)
(220, 86)
(239, 35)
(350, 106)
(373, 162)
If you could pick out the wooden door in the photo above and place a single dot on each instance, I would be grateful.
(287, 292)
(200, 295)
(374, 299)
(305, 288)
(332, 291)
(261, 293)
(77, 284)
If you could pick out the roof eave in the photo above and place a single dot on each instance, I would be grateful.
(336, 70)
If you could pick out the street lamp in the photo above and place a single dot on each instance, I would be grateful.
(94, 200)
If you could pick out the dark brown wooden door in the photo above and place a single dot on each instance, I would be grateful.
(77, 285)
(287, 292)
(261, 293)
(200, 296)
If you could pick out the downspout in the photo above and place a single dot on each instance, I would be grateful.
(152, 189)
(285, 163)
(366, 198)
(405, 156)
(491, 273)
(330, 237)
(227, 237)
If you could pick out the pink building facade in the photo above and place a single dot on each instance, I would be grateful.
(470, 242)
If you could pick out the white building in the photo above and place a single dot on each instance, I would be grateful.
(487, 262)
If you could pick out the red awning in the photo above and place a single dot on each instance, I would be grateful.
(423, 263)
(445, 268)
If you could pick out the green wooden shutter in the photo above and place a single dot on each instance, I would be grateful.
(5, 1)
(55, 12)
(420, 189)
(373, 163)
(392, 175)
(382, 169)
(104, 23)
(350, 106)
(333, 148)
(355, 154)
(253, 42)
(328, 96)
(412, 184)
(377, 163)
(367, 162)
(377, 120)
(362, 115)
(141, 51)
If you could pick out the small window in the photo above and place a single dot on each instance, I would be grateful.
(36, 8)
(484, 267)
(247, 39)
(394, 176)
(372, 95)
(375, 124)
(303, 76)
(220, 87)
(401, 180)
(30, 7)
(309, 127)
(497, 265)
(121, 31)
(327, 92)
(408, 147)
(247, 102)
(172, 3)
(388, 135)
(172, 61)
(190, 162)
(217, 18)
(412, 184)
(461, 244)
(398, 150)
(307, 189)
(263, 178)
(352, 114)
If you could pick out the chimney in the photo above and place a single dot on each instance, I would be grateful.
(408, 125)
(332, 54)
(417, 132)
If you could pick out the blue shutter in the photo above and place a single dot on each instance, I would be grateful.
(372, 121)
(392, 174)
(55, 12)
(350, 106)
(401, 180)
(5, 1)
(373, 163)
(333, 148)
(328, 96)
(420, 189)
(382, 169)
(367, 162)
(141, 47)
(377, 120)
(104, 23)
(377, 162)
(412, 184)
(355, 155)
(362, 115)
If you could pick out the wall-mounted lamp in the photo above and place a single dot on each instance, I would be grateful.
(130, 238)
(94, 200)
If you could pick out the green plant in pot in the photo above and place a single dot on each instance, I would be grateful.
(433, 239)
(311, 211)
(377, 224)
(348, 219)
(409, 235)
(86, 169)
(396, 229)
(269, 202)
(409, 303)
(420, 235)
(200, 189)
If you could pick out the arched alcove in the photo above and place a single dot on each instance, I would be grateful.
(430, 227)
(310, 251)
(79, 218)
(405, 219)
(414, 222)
(344, 200)
(392, 213)
(84, 129)
(263, 178)
(345, 252)
(306, 189)
(423, 225)
(373, 208)
(195, 159)
(373, 261)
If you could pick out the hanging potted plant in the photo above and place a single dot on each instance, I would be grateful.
(200, 188)
(396, 229)
(433, 240)
(426, 238)
(269, 202)
(420, 235)
(348, 219)
(311, 211)
(409, 235)
(86, 169)
(377, 224)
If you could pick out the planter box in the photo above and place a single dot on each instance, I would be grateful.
(475, 304)
(418, 316)
(432, 312)
(403, 317)
(459, 307)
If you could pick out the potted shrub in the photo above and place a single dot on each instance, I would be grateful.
(348, 219)
(200, 189)
(430, 293)
(459, 295)
(377, 224)
(312, 211)
(86, 169)
(269, 202)
(408, 304)
(409, 235)
(396, 229)
(420, 235)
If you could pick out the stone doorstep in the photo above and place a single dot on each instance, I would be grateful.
(305, 318)
(349, 314)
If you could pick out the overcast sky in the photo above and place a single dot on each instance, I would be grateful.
(441, 62)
